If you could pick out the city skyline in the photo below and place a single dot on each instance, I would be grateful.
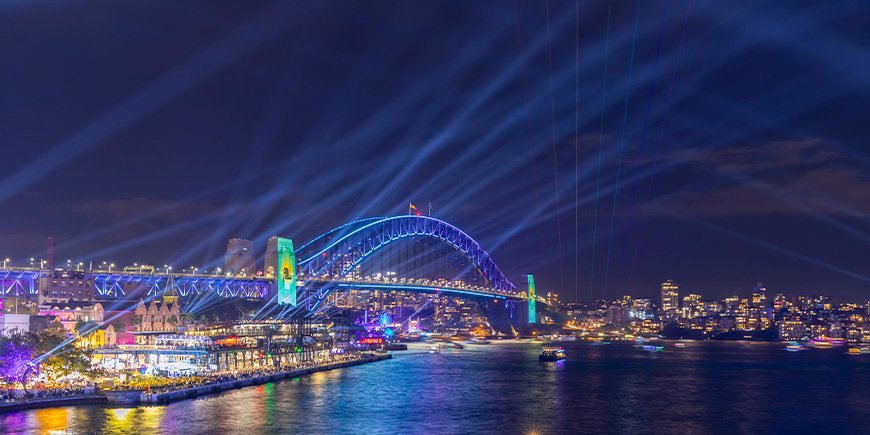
(163, 158)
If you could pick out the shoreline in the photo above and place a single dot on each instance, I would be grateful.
(135, 398)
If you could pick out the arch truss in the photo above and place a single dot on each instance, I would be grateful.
(343, 254)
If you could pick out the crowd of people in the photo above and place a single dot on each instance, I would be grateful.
(156, 385)
(161, 384)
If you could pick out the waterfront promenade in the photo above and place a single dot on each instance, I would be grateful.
(182, 391)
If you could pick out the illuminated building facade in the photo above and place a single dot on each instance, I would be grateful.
(670, 299)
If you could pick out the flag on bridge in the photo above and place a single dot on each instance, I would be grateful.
(412, 209)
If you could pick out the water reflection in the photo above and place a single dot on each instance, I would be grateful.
(502, 388)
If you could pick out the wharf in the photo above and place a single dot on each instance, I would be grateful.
(128, 398)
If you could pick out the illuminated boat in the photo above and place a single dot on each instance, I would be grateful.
(551, 353)
(599, 343)
(477, 340)
(680, 344)
(825, 343)
(859, 351)
(794, 346)
(653, 348)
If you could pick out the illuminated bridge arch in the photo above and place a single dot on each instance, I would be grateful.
(365, 237)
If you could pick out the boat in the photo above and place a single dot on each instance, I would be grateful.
(679, 344)
(435, 349)
(395, 346)
(598, 343)
(477, 340)
(859, 350)
(551, 353)
(820, 344)
(794, 346)
(653, 348)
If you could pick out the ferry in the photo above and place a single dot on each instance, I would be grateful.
(794, 346)
(859, 351)
(551, 353)
(825, 343)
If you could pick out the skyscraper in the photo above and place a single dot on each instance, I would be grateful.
(239, 259)
(670, 298)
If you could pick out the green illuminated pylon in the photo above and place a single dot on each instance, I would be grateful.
(532, 314)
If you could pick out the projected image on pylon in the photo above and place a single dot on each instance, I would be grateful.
(286, 276)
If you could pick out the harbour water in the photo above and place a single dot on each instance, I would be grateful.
(704, 387)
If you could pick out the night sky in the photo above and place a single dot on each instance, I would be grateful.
(713, 143)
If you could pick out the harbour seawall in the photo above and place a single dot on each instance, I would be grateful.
(128, 398)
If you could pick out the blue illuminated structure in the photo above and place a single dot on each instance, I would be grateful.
(367, 236)
(325, 262)
(113, 285)
(19, 282)
(483, 294)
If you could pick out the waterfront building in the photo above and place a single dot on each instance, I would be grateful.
(792, 328)
(156, 317)
(670, 298)
(71, 313)
(102, 337)
(58, 286)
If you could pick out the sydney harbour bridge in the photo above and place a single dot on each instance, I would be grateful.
(407, 253)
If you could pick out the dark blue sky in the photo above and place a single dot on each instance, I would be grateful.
(726, 141)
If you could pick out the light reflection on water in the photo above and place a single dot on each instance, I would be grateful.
(502, 388)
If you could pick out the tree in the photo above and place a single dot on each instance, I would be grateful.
(120, 326)
(16, 354)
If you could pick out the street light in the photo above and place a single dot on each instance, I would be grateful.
(5, 260)
(111, 266)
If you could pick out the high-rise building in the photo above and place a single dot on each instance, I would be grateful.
(239, 259)
(670, 298)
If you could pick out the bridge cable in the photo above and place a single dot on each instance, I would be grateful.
(621, 146)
